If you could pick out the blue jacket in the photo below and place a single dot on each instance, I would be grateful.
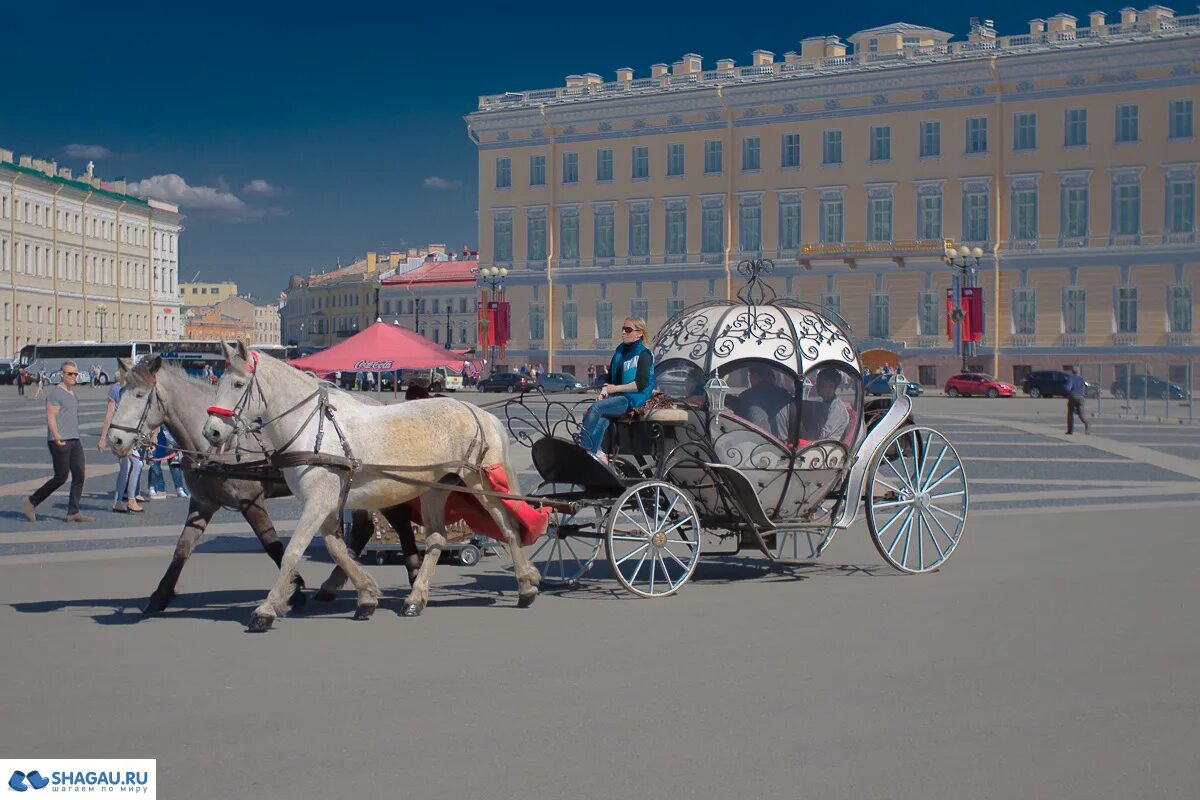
(623, 369)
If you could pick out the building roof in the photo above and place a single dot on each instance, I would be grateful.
(105, 189)
(901, 28)
(435, 273)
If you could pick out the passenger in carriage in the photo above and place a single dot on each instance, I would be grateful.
(766, 404)
(827, 416)
(631, 373)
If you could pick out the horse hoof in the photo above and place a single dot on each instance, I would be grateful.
(363, 612)
(298, 599)
(260, 623)
(154, 605)
(324, 596)
(526, 600)
(412, 610)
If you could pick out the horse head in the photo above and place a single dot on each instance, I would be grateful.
(138, 412)
(237, 399)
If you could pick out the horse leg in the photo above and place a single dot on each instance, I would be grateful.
(368, 590)
(255, 512)
(199, 514)
(361, 531)
(433, 515)
(315, 515)
(400, 518)
(528, 578)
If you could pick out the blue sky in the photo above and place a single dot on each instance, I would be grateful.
(295, 134)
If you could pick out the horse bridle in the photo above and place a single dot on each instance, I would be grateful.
(139, 431)
(235, 413)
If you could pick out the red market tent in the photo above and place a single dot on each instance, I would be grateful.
(380, 348)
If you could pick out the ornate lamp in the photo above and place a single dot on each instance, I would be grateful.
(715, 391)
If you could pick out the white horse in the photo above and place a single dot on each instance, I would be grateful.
(432, 444)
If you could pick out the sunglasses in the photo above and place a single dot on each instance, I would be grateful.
(628, 330)
(70, 373)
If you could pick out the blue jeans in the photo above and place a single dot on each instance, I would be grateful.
(595, 422)
(157, 482)
(128, 479)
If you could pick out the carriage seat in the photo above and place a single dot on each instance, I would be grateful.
(667, 416)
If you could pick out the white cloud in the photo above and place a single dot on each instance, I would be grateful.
(174, 189)
(92, 151)
(440, 184)
(260, 186)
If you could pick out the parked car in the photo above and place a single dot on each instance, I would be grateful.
(1139, 386)
(976, 383)
(559, 382)
(506, 382)
(877, 383)
(1053, 383)
(8, 374)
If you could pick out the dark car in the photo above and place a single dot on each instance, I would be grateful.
(559, 382)
(1139, 386)
(8, 374)
(966, 384)
(879, 385)
(506, 382)
(1053, 383)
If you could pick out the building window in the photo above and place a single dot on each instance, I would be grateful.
(568, 227)
(712, 238)
(929, 222)
(879, 216)
(927, 375)
(1181, 206)
(604, 234)
(789, 226)
(880, 316)
(639, 232)
(789, 150)
(537, 322)
(751, 146)
(604, 319)
(537, 170)
(712, 157)
(1074, 311)
(1125, 298)
(1024, 311)
(1075, 134)
(831, 147)
(930, 139)
(502, 239)
(1025, 214)
(641, 163)
(604, 165)
(1075, 212)
(1180, 119)
(675, 159)
(1179, 308)
(881, 142)
(674, 306)
(536, 239)
(1024, 131)
(831, 221)
(1127, 123)
(503, 172)
(639, 308)
(975, 217)
(977, 135)
(750, 228)
(928, 313)
(570, 168)
(1127, 207)
(570, 321)
(832, 302)
(677, 232)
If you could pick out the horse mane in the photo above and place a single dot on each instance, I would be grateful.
(176, 371)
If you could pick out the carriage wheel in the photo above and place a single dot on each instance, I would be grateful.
(652, 538)
(566, 551)
(917, 499)
(799, 545)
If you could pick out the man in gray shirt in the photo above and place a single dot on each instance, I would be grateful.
(66, 451)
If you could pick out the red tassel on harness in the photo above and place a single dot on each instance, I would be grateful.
(218, 411)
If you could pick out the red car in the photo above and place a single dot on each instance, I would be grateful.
(968, 383)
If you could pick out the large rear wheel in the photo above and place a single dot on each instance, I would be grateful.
(917, 500)
(652, 539)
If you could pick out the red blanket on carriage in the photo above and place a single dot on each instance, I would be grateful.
(531, 522)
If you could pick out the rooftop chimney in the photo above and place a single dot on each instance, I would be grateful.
(574, 81)
(592, 79)
(658, 70)
(1037, 26)
(64, 172)
(1061, 23)
(625, 74)
(1096, 19)
(762, 58)
(725, 64)
(812, 48)
(370, 262)
(1128, 15)
(120, 184)
(394, 259)
(6, 156)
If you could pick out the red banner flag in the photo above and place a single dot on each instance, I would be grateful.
(973, 306)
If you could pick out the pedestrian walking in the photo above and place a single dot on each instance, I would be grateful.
(129, 476)
(66, 450)
(42, 380)
(1076, 390)
(22, 379)
(166, 450)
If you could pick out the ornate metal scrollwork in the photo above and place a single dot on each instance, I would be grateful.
(527, 423)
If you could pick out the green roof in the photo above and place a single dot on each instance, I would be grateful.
(80, 185)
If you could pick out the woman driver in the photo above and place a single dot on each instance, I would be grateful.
(632, 374)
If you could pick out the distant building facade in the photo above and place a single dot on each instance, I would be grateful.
(439, 299)
(1068, 154)
(79, 255)
(205, 294)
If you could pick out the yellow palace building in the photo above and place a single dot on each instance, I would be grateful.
(1067, 154)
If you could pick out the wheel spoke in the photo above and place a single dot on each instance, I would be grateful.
(933, 470)
(908, 536)
(663, 566)
(621, 538)
(670, 508)
(920, 546)
(895, 517)
(949, 538)
(631, 554)
(653, 558)
(948, 513)
(645, 516)
(887, 485)
(932, 538)
(890, 503)
(638, 568)
(637, 524)
(903, 478)
(676, 526)
(899, 532)
(959, 493)
(924, 461)
(941, 480)
(675, 558)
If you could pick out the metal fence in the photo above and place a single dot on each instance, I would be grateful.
(1158, 390)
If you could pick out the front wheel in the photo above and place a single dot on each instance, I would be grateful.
(917, 501)
(952, 392)
(652, 539)
(1119, 394)
(1035, 392)
(993, 393)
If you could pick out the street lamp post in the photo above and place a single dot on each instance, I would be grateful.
(965, 263)
(102, 313)
(447, 325)
(493, 278)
